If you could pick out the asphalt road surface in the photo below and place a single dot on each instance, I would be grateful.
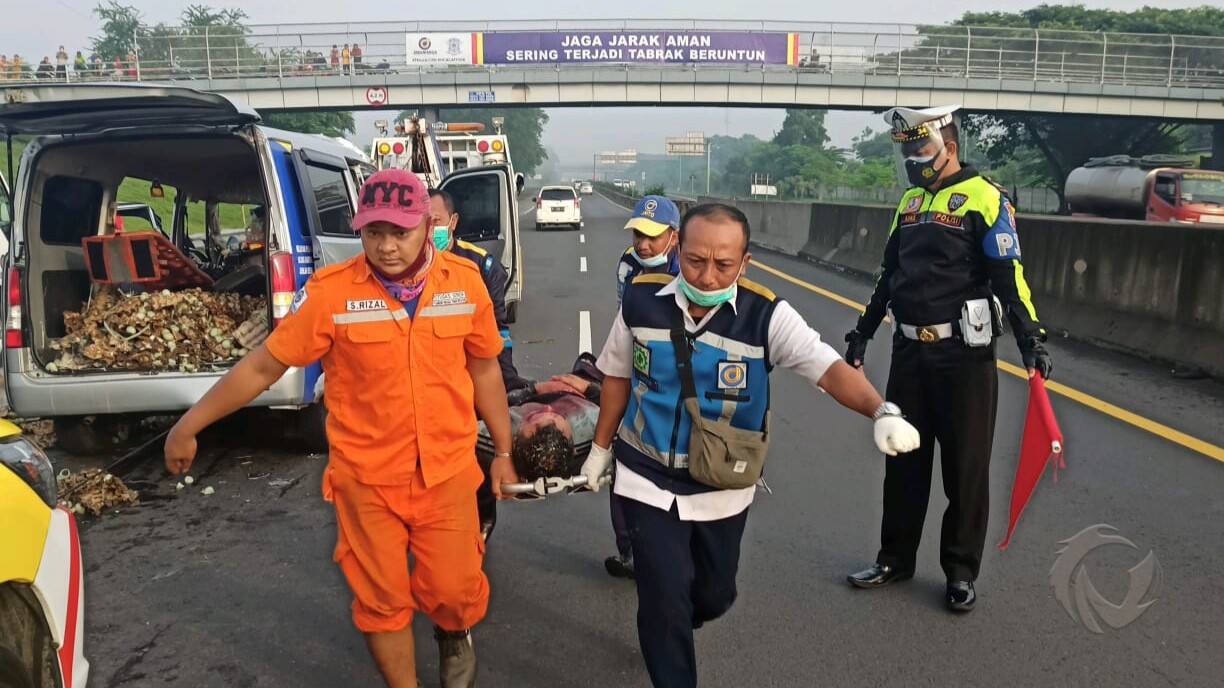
(238, 588)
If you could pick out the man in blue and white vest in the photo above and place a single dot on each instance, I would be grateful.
(686, 535)
(655, 224)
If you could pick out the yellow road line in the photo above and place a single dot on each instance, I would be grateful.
(1176, 436)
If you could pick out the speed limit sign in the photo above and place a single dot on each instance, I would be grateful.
(376, 96)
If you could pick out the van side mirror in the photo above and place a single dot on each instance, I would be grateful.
(519, 182)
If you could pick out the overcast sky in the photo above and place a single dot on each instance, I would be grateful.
(37, 29)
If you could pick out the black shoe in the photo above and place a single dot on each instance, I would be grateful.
(456, 658)
(620, 566)
(961, 596)
(878, 575)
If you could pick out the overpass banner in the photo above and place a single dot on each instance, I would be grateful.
(636, 47)
(595, 47)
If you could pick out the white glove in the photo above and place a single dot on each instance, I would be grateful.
(598, 461)
(894, 435)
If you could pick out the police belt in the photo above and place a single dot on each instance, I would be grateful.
(929, 334)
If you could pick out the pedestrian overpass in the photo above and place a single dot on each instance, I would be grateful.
(670, 62)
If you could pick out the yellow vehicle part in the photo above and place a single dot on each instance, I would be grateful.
(24, 523)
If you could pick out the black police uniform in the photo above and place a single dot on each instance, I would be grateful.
(947, 247)
(495, 279)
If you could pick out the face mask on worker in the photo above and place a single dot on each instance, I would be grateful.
(708, 299)
(923, 152)
(923, 171)
(657, 260)
(441, 237)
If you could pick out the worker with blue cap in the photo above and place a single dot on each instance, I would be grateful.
(655, 224)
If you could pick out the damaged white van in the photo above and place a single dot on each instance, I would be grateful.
(105, 324)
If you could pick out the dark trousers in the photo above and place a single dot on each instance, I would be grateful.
(685, 577)
(486, 502)
(949, 392)
(619, 527)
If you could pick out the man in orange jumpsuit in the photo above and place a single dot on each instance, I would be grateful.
(409, 348)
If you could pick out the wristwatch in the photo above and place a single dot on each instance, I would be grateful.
(886, 409)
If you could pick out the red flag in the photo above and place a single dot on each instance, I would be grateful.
(1042, 439)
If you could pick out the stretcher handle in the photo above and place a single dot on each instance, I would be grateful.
(550, 485)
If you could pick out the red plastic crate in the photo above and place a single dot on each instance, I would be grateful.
(144, 258)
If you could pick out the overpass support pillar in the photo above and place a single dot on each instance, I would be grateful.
(1217, 146)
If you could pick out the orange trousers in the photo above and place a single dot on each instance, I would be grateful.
(379, 525)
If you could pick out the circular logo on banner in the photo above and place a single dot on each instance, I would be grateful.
(376, 96)
(424, 43)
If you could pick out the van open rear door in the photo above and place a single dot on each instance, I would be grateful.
(91, 108)
(486, 201)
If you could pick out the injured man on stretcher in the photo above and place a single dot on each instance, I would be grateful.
(553, 423)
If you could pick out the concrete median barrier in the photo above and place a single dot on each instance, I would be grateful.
(1151, 289)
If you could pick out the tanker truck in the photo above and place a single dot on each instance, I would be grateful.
(1156, 188)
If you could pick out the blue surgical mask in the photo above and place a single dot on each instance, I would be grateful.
(441, 237)
(653, 261)
(708, 299)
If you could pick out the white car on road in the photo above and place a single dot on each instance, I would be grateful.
(558, 205)
(586, 189)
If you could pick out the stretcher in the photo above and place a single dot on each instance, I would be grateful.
(546, 487)
(543, 487)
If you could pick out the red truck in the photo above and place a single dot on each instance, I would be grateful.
(1154, 188)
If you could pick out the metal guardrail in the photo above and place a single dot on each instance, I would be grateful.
(304, 50)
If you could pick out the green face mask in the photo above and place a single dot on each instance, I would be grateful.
(708, 299)
(441, 237)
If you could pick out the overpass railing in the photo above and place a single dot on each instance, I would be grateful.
(286, 51)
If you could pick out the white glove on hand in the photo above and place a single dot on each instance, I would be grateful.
(894, 435)
(597, 463)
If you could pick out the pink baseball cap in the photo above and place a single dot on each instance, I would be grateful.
(396, 196)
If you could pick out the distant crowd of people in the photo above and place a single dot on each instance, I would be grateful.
(15, 68)
(341, 60)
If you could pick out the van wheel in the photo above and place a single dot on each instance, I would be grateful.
(311, 427)
(539, 227)
(512, 312)
(86, 435)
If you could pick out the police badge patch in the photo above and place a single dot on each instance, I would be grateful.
(913, 204)
(956, 201)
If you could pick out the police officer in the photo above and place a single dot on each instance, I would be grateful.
(655, 224)
(686, 534)
(445, 219)
(953, 242)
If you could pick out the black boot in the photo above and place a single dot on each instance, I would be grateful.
(960, 596)
(456, 658)
(877, 575)
(620, 566)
